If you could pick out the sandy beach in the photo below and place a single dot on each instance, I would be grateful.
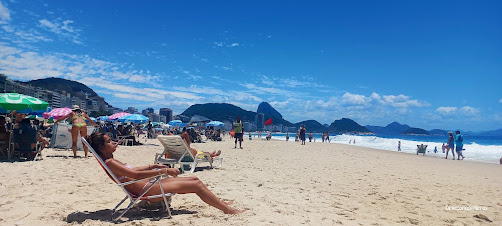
(278, 182)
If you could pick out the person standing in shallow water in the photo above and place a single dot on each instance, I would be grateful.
(303, 131)
(239, 131)
(460, 145)
(451, 145)
(399, 146)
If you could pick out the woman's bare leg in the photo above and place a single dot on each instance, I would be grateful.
(183, 185)
(74, 139)
(83, 133)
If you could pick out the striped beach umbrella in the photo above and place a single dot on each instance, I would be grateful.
(118, 115)
(57, 113)
(20, 102)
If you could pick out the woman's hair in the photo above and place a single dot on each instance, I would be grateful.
(96, 140)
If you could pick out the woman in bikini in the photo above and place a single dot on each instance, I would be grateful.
(105, 148)
(79, 126)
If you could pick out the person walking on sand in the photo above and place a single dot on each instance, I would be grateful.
(451, 145)
(302, 134)
(323, 137)
(287, 136)
(460, 145)
(239, 131)
(327, 137)
(443, 147)
(79, 126)
(399, 146)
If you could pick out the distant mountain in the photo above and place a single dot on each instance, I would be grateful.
(312, 126)
(346, 125)
(267, 109)
(438, 132)
(496, 133)
(415, 131)
(220, 112)
(393, 128)
(228, 112)
(58, 84)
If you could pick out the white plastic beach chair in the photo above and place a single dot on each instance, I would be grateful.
(132, 197)
(177, 149)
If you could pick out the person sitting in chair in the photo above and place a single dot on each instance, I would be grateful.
(186, 137)
(4, 134)
(105, 147)
(25, 137)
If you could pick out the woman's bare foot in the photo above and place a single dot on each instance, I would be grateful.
(234, 211)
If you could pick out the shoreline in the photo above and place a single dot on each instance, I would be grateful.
(409, 146)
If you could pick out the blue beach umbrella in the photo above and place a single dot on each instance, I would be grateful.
(103, 118)
(215, 123)
(175, 123)
(135, 118)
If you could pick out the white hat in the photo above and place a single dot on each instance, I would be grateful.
(75, 107)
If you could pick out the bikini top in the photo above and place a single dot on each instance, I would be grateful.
(78, 115)
(124, 177)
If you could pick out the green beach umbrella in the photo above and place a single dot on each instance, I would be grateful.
(15, 101)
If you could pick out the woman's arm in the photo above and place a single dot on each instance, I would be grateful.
(119, 168)
(150, 167)
(90, 120)
(63, 118)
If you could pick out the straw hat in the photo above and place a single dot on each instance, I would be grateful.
(75, 107)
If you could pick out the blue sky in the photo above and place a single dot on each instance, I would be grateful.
(428, 64)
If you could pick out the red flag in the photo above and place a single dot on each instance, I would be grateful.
(268, 122)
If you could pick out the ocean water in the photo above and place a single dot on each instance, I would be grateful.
(477, 148)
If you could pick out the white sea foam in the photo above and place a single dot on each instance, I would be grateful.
(472, 152)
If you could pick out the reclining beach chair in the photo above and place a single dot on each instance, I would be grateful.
(421, 149)
(179, 153)
(132, 197)
(24, 137)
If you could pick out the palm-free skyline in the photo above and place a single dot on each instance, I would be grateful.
(427, 64)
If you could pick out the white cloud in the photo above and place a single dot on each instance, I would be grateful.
(446, 110)
(52, 26)
(292, 82)
(26, 65)
(500, 101)
(32, 36)
(4, 14)
(66, 26)
(402, 101)
(263, 90)
(354, 99)
(62, 29)
(469, 111)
